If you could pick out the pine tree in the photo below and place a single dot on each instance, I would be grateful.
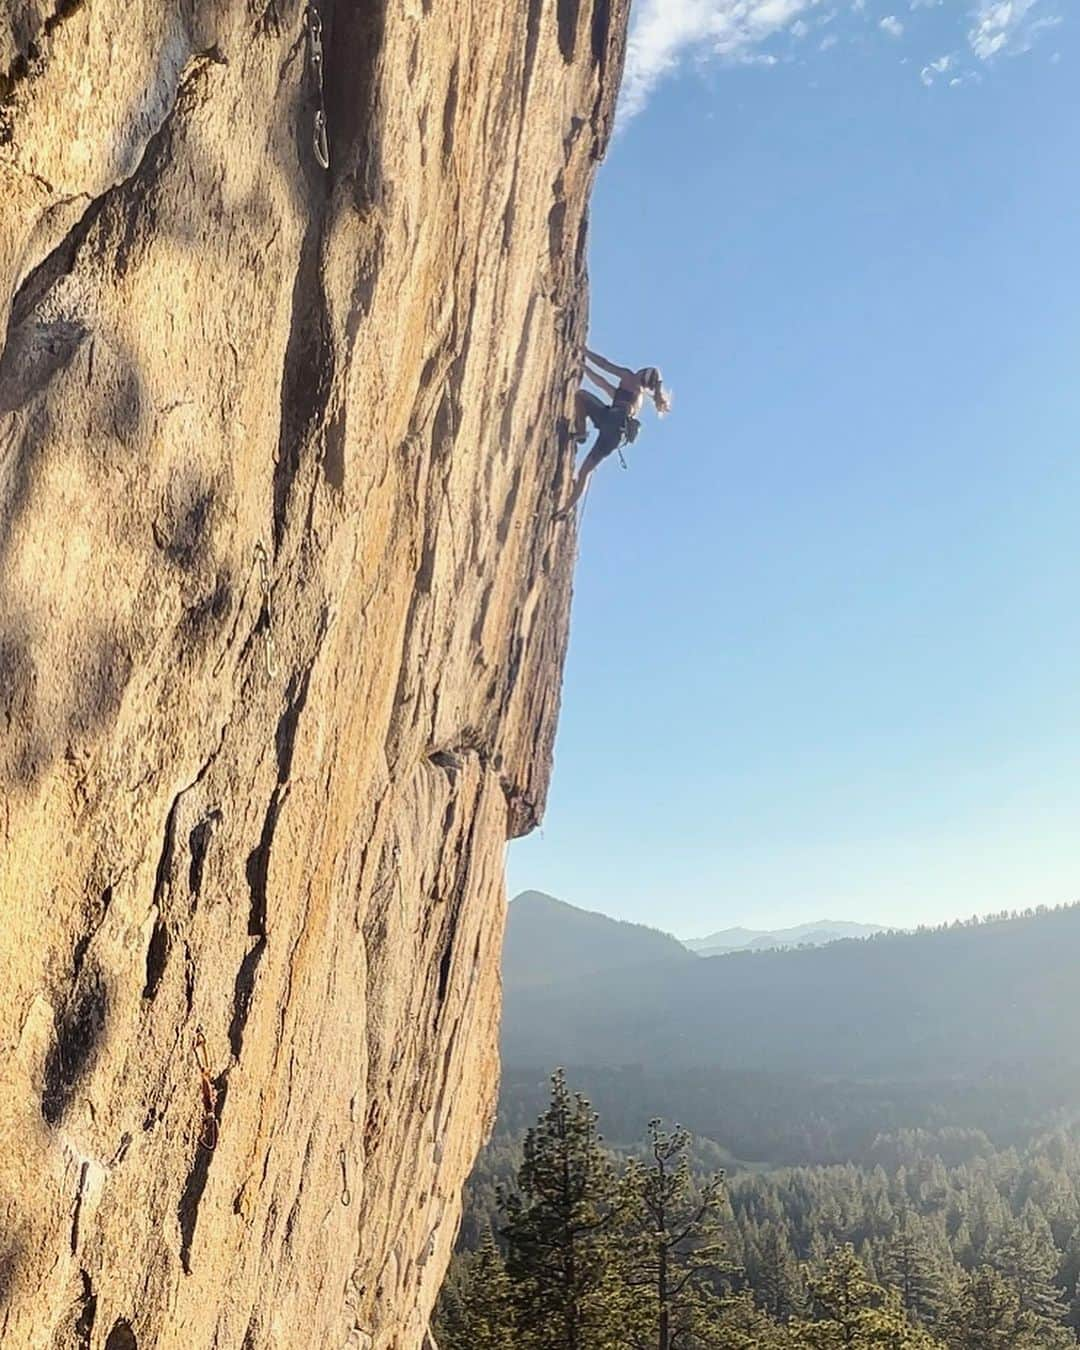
(852, 1311)
(738, 1324)
(776, 1278)
(676, 1248)
(911, 1269)
(476, 1308)
(988, 1316)
(1026, 1256)
(567, 1291)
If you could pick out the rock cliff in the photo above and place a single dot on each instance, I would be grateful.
(282, 621)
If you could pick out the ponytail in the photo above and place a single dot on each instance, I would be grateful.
(651, 381)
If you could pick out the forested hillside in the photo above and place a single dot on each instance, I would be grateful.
(940, 1242)
(897, 1120)
(958, 1002)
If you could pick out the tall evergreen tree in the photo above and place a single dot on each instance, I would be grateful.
(910, 1267)
(676, 1249)
(739, 1324)
(476, 1309)
(777, 1280)
(568, 1294)
(1026, 1256)
(851, 1311)
(988, 1316)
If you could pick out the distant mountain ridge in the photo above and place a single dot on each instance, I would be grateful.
(802, 935)
(547, 939)
(962, 1000)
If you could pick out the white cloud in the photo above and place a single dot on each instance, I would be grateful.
(941, 66)
(664, 32)
(1005, 26)
(827, 42)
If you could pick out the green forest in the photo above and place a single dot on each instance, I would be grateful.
(879, 1142)
(943, 1240)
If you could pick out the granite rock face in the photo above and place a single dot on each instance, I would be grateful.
(282, 622)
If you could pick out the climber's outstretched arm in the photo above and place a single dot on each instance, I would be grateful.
(621, 372)
(600, 382)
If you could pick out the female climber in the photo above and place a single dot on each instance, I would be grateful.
(616, 422)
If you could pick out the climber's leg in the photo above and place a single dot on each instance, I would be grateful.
(605, 445)
(587, 408)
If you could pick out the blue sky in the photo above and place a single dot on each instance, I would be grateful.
(825, 656)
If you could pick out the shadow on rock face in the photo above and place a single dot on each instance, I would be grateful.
(34, 354)
(101, 686)
(21, 750)
(183, 526)
(17, 460)
(79, 1026)
(36, 722)
(18, 679)
(121, 1337)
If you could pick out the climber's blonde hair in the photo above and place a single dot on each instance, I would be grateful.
(652, 382)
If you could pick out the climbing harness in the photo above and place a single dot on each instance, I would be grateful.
(320, 143)
(628, 435)
(264, 581)
(626, 424)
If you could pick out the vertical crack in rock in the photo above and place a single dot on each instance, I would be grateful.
(309, 369)
(87, 1312)
(188, 1208)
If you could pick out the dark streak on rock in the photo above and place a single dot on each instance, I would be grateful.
(198, 844)
(157, 957)
(568, 22)
(243, 990)
(285, 735)
(78, 1027)
(79, 954)
(532, 39)
(77, 1208)
(121, 1337)
(308, 371)
(84, 1322)
(188, 1208)
(450, 110)
(257, 866)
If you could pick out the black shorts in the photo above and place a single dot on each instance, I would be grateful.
(610, 422)
(603, 416)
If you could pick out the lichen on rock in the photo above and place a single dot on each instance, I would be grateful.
(282, 622)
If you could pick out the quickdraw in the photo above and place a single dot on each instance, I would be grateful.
(208, 1134)
(320, 141)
